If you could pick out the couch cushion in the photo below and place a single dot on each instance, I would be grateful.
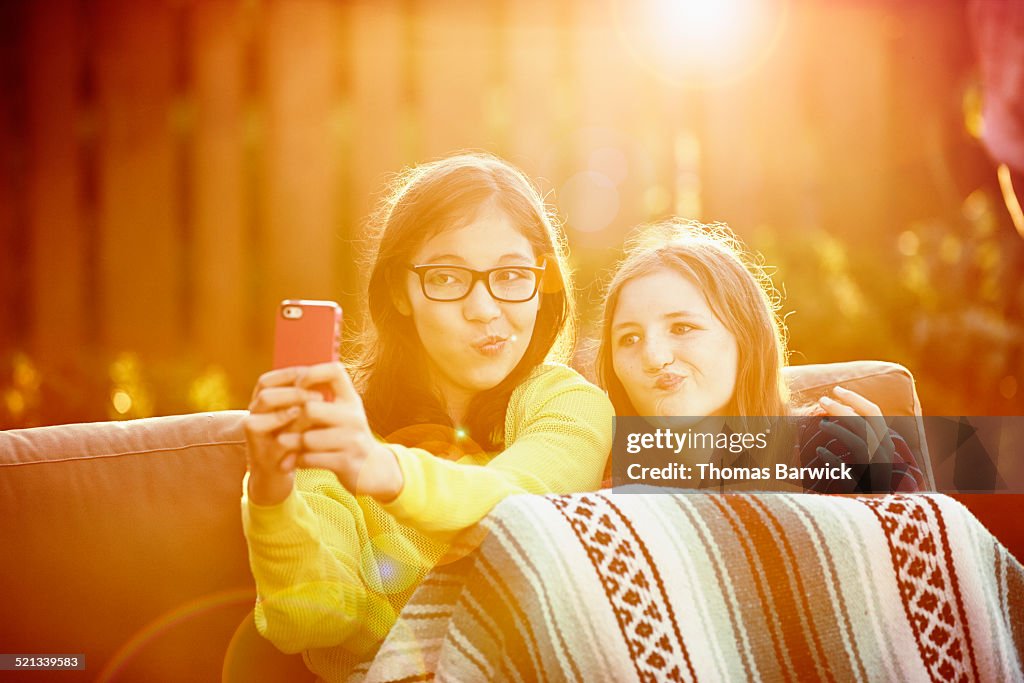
(123, 541)
(889, 385)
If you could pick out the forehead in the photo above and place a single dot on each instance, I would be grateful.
(488, 238)
(655, 294)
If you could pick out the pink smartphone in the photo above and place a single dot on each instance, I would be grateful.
(306, 333)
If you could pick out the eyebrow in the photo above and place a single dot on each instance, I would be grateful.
(674, 315)
(455, 259)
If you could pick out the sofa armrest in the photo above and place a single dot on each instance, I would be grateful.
(889, 385)
(123, 541)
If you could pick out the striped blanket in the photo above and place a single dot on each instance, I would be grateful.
(717, 588)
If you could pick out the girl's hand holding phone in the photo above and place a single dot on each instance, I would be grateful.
(277, 404)
(306, 413)
(337, 436)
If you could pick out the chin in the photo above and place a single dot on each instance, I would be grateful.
(487, 379)
(679, 409)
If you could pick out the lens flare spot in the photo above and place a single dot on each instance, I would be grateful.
(25, 374)
(908, 243)
(950, 249)
(590, 201)
(15, 402)
(210, 391)
(391, 564)
(657, 200)
(122, 401)
(610, 162)
(974, 120)
(1008, 387)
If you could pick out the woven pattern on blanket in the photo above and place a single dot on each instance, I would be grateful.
(710, 587)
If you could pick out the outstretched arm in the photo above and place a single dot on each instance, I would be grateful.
(560, 440)
(304, 549)
(561, 446)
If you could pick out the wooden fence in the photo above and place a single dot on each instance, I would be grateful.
(173, 169)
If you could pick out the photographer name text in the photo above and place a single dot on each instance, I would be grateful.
(686, 442)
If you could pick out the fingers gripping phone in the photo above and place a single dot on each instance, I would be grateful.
(307, 333)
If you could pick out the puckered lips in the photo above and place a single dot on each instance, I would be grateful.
(667, 381)
(491, 345)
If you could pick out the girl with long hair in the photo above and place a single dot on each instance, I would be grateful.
(455, 402)
(691, 328)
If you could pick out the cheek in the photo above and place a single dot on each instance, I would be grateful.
(728, 365)
(732, 361)
(434, 324)
(624, 368)
(523, 319)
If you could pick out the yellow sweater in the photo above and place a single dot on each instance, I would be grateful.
(332, 570)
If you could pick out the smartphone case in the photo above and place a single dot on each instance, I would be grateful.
(312, 338)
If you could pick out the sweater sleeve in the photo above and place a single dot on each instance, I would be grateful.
(560, 437)
(305, 558)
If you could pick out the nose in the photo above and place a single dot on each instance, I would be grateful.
(656, 354)
(479, 306)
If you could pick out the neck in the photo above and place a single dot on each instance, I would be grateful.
(456, 399)
(457, 406)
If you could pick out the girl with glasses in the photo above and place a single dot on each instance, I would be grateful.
(454, 404)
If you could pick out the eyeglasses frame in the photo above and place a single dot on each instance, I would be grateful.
(477, 276)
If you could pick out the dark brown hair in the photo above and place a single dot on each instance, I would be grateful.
(391, 371)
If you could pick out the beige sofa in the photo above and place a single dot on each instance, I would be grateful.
(122, 540)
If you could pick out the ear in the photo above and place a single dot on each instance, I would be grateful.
(400, 297)
(551, 280)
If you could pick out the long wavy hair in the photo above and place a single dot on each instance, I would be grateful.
(391, 368)
(739, 292)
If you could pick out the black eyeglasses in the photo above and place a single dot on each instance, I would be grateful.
(511, 284)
